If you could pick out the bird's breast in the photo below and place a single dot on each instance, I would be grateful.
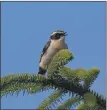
(50, 53)
(48, 56)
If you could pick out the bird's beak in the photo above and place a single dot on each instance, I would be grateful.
(65, 34)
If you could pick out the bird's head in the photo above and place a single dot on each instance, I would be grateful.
(58, 35)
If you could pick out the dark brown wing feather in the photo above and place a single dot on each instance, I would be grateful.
(45, 49)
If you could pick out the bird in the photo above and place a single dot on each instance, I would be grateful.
(54, 45)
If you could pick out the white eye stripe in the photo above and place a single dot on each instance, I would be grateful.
(59, 32)
(53, 33)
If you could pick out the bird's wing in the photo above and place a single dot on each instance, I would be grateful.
(45, 49)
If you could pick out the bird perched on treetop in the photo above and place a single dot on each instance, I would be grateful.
(55, 44)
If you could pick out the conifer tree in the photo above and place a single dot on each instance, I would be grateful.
(63, 80)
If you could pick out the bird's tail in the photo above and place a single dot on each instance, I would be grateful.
(41, 71)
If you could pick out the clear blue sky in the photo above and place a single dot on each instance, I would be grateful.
(26, 27)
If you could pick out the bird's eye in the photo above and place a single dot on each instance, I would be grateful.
(57, 36)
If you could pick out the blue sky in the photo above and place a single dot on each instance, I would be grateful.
(26, 27)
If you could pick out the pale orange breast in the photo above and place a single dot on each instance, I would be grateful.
(59, 44)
